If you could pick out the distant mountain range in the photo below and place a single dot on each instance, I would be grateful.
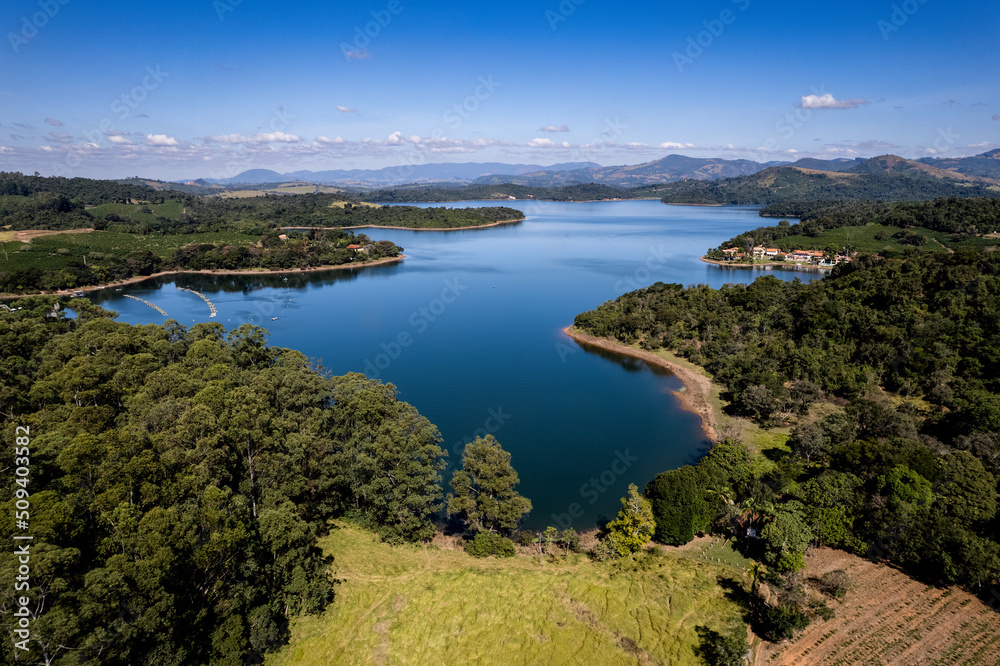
(984, 168)
(886, 177)
(448, 172)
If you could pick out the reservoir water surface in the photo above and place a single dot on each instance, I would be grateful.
(469, 329)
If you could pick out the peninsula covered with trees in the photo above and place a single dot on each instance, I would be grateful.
(126, 230)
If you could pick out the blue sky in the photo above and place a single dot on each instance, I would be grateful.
(210, 88)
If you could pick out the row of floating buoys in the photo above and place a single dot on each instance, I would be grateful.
(211, 305)
(143, 300)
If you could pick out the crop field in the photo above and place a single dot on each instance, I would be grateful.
(887, 617)
(425, 605)
(54, 252)
(860, 238)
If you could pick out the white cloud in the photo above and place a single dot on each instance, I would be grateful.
(59, 137)
(394, 139)
(827, 101)
(673, 145)
(554, 128)
(260, 137)
(541, 143)
(637, 144)
(345, 109)
(161, 140)
(327, 141)
(119, 139)
(274, 137)
(53, 122)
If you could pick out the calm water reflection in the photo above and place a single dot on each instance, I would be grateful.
(468, 327)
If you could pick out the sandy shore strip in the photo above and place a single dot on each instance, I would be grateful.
(696, 395)
(209, 271)
(787, 265)
(376, 226)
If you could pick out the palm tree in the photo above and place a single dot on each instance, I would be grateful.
(724, 493)
(756, 570)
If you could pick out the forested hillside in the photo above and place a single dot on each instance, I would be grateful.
(581, 192)
(904, 464)
(34, 202)
(179, 479)
(778, 184)
(954, 222)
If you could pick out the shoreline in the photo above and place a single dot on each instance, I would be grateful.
(777, 264)
(377, 226)
(696, 396)
(671, 203)
(206, 271)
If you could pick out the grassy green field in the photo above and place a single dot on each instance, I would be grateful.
(170, 209)
(425, 605)
(56, 251)
(860, 238)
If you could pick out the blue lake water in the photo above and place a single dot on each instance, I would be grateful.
(469, 329)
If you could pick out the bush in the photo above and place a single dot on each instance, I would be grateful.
(836, 583)
(485, 544)
(526, 538)
(780, 622)
(604, 551)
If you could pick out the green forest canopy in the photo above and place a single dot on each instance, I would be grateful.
(179, 480)
(907, 470)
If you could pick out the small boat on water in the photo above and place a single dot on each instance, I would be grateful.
(273, 318)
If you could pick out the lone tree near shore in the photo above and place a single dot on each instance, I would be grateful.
(483, 490)
(634, 526)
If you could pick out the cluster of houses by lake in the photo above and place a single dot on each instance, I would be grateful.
(761, 253)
